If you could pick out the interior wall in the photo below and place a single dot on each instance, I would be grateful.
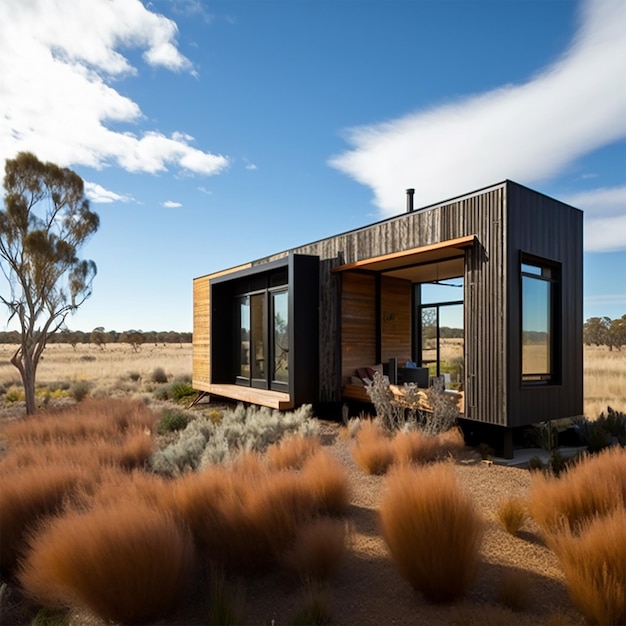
(395, 319)
(358, 322)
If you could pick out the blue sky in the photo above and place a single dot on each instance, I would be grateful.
(213, 133)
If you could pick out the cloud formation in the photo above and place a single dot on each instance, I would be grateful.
(99, 195)
(171, 204)
(58, 97)
(528, 133)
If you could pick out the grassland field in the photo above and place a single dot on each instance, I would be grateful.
(118, 370)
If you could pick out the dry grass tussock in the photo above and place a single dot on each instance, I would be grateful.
(511, 514)
(432, 530)
(246, 516)
(291, 452)
(594, 563)
(127, 562)
(583, 518)
(594, 486)
(375, 450)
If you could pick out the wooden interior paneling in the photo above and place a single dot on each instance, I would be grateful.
(358, 322)
(395, 319)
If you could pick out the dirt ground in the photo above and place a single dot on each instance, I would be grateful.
(368, 590)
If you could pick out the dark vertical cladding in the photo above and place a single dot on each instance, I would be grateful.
(547, 229)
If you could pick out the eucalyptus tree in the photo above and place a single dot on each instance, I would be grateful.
(45, 220)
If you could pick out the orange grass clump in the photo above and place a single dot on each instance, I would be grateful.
(373, 450)
(326, 480)
(511, 514)
(595, 486)
(25, 498)
(432, 530)
(317, 550)
(102, 417)
(127, 563)
(291, 452)
(594, 564)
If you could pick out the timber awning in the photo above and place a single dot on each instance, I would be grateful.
(414, 256)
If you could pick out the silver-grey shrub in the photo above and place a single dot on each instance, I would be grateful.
(204, 442)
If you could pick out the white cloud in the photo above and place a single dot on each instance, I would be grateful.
(528, 132)
(58, 63)
(605, 217)
(99, 195)
(170, 204)
(251, 167)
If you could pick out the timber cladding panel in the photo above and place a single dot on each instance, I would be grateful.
(201, 346)
(358, 322)
(395, 319)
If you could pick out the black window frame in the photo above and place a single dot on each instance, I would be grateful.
(549, 271)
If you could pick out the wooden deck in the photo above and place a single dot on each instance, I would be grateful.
(263, 397)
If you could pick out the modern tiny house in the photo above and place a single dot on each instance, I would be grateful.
(484, 289)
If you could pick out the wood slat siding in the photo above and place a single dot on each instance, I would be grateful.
(358, 322)
(546, 228)
(201, 342)
(395, 319)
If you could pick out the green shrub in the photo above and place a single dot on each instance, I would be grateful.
(171, 420)
(162, 393)
(614, 422)
(134, 376)
(80, 390)
(206, 441)
(158, 375)
(14, 395)
(181, 390)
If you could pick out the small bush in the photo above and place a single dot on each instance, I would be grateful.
(127, 563)
(432, 530)
(158, 375)
(80, 390)
(182, 391)
(594, 564)
(170, 421)
(224, 605)
(134, 376)
(315, 610)
(511, 514)
(13, 394)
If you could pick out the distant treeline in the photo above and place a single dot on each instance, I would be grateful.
(603, 331)
(101, 337)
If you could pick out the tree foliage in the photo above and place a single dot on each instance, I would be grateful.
(45, 220)
(603, 331)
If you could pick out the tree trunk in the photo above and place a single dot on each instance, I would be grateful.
(23, 361)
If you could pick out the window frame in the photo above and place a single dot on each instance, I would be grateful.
(548, 272)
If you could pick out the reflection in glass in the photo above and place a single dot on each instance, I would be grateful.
(536, 340)
(429, 339)
(244, 337)
(281, 336)
(451, 345)
(257, 305)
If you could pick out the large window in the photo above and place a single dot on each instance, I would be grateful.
(440, 333)
(539, 305)
(263, 337)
